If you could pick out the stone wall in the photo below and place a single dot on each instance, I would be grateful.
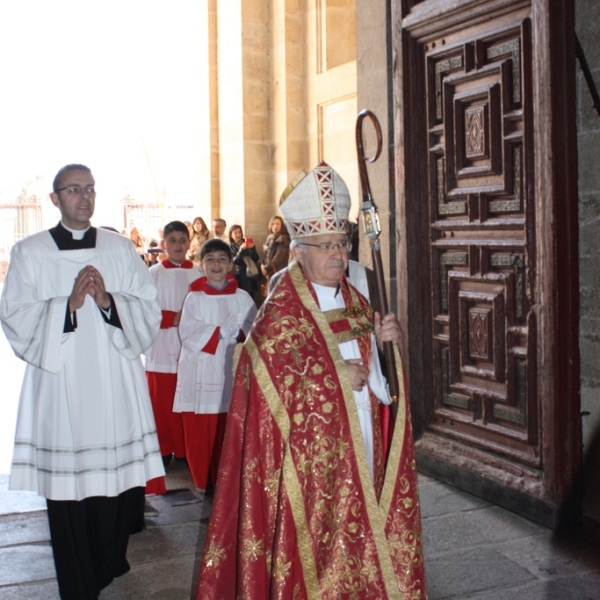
(374, 81)
(587, 25)
(283, 98)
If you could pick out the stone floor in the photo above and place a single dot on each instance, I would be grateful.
(472, 550)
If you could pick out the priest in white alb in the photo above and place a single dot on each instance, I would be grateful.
(79, 307)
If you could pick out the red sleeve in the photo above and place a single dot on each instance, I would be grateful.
(167, 319)
(211, 345)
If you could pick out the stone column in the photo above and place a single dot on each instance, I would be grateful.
(374, 93)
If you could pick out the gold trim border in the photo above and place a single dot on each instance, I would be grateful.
(290, 476)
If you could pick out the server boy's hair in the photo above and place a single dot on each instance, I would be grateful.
(213, 245)
(175, 226)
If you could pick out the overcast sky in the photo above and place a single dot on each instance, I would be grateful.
(85, 81)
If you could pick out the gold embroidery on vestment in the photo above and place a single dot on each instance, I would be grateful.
(214, 554)
(377, 521)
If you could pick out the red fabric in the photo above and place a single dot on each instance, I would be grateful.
(203, 443)
(202, 285)
(296, 514)
(156, 486)
(168, 423)
(167, 319)
(186, 264)
(387, 428)
(340, 326)
(213, 343)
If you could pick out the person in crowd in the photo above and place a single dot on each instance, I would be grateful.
(353, 235)
(200, 235)
(245, 260)
(172, 277)
(276, 250)
(138, 242)
(216, 316)
(306, 504)
(155, 253)
(218, 229)
(80, 308)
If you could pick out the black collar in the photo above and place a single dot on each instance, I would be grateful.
(64, 239)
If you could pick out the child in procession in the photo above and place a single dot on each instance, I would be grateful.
(216, 316)
(172, 277)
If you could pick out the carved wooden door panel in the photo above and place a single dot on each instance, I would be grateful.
(474, 215)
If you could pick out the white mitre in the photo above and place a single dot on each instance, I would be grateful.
(318, 204)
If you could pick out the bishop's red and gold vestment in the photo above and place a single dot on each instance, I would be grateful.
(296, 513)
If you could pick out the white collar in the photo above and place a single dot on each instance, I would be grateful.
(325, 290)
(78, 234)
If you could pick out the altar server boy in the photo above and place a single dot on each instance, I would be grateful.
(172, 277)
(216, 316)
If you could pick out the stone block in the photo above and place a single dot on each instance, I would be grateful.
(548, 557)
(19, 501)
(257, 65)
(256, 98)
(441, 499)
(257, 188)
(589, 266)
(294, 7)
(588, 119)
(589, 240)
(165, 580)
(460, 573)
(257, 127)
(156, 544)
(590, 402)
(340, 25)
(168, 515)
(296, 155)
(588, 300)
(257, 157)
(588, 147)
(24, 528)
(48, 590)
(255, 11)
(296, 95)
(474, 528)
(294, 62)
(589, 348)
(587, 25)
(339, 54)
(294, 30)
(255, 36)
(26, 563)
(589, 326)
(564, 589)
(589, 210)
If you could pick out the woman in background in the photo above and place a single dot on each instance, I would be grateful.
(277, 250)
(138, 241)
(200, 233)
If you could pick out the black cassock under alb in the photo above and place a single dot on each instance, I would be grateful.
(90, 536)
(89, 540)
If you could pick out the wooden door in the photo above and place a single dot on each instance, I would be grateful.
(487, 215)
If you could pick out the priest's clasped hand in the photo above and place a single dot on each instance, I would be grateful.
(88, 282)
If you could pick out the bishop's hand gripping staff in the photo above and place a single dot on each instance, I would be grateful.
(372, 231)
